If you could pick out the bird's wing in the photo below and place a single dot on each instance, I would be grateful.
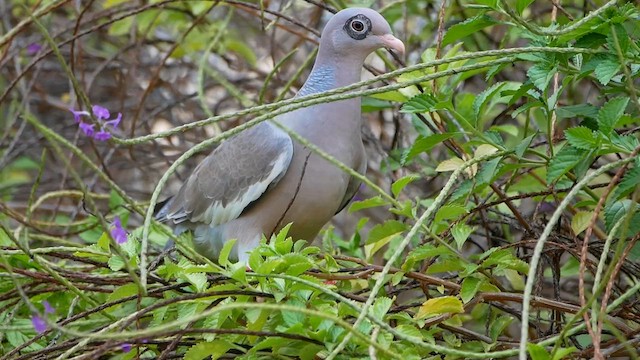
(234, 175)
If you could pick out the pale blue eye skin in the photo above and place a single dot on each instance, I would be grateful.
(358, 27)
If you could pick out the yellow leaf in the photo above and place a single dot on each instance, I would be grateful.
(440, 305)
(450, 165)
(580, 221)
(484, 149)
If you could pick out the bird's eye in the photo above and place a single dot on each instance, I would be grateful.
(357, 26)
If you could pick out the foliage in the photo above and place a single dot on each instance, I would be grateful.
(503, 219)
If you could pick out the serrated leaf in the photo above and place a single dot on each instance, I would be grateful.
(581, 137)
(116, 263)
(203, 350)
(466, 28)
(424, 144)
(621, 36)
(368, 203)
(630, 181)
(606, 70)
(469, 288)
(541, 74)
(580, 221)
(610, 113)
(460, 233)
(450, 165)
(381, 306)
(401, 183)
(480, 101)
(538, 352)
(440, 305)
(565, 160)
(198, 280)
(422, 103)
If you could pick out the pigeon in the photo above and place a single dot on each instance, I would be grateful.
(260, 180)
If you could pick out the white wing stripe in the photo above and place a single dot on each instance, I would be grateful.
(217, 214)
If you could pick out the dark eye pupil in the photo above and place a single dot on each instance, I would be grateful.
(357, 26)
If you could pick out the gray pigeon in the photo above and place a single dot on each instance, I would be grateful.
(257, 182)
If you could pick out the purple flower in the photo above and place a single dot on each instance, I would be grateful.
(102, 135)
(38, 324)
(87, 128)
(100, 112)
(77, 114)
(33, 49)
(117, 232)
(48, 309)
(102, 115)
(126, 347)
(115, 122)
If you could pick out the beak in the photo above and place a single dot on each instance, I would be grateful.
(392, 43)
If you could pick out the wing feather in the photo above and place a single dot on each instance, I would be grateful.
(234, 175)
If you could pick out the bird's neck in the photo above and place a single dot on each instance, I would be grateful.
(330, 73)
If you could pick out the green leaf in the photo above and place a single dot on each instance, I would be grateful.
(401, 183)
(580, 221)
(422, 103)
(617, 210)
(577, 111)
(610, 113)
(498, 326)
(504, 259)
(582, 138)
(622, 37)
(469, 288)
(538, 352)
(541, 74)
(523, 145)
(522, 4)
(424, 144)
(565, 160)
(198, 280)
(563, 353)
(385, 230)
(223, 258)
(466, 28)
(440, 305)
(203, 350)
(242, 49)
(123, 292)
(460, 233)
(368, 203)
(606, 70)
(630, 181)
(480, 101)
(381, 306)
(448, 212)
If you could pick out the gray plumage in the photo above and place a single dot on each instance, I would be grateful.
(260, 180)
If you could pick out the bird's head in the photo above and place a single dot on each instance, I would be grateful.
(357, 32)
